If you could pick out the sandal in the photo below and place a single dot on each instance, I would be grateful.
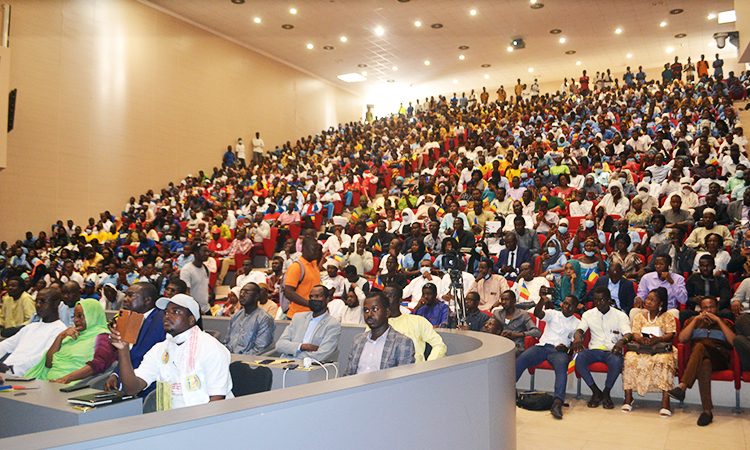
(594, 402)
(627, 407)
(664, 413)
(608, 404)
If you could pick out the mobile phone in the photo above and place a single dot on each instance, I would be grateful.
(291, 366)
(265, 361)
(75, 387)
(21, 379)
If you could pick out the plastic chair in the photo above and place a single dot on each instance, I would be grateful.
(730, 374)
(528, 343)
(375, 263)
(247, 380)
(338, 206)
(270, 244)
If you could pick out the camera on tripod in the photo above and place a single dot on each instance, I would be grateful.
(452, 261)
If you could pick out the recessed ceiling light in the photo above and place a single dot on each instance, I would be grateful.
(426, 63)
(404, 1)
(390, 81)
(293, 11)
(618, 31)
(461, 57)
(238, 2)
(455, 81)
(533, 1)
(562, 40)
(728, 16)
(531, 69)
(485, 65)
(570, 52)
(287, 26)
(578, 63)
(473, 12)
(629, 55)
(361, 65)
(418, 23)
(486, 77)
(663, 24)
(343, 39)
(711, 16)
(351, 77)
(510, 49)
(437, 25)
(676, 11)
(379, 31)
(394, 68)
(463, 47)
(670, 49)
(364, 74)
(680, 35)
(310, 46)
(537, 6)
(555, 31)
(256, 20)
(328, 47)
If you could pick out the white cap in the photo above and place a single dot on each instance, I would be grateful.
(332, 262)
(183, 300)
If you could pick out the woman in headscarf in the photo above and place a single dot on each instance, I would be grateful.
(81, 350)
(414, 258)
(571, 283)
(553, 260)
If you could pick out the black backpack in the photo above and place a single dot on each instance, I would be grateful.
(534, 401)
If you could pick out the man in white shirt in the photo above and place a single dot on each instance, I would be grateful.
(30, 344)
(610, 331)
(333, 281)
(337, 241)
(258, 148)
(527, 287)
(189, 368)
(553, 347)
(414, 288)
(195, 275)
(240, 149)
(250, 275)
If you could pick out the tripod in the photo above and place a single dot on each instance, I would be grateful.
(457, 316)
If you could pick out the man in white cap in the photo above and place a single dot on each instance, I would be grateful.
(332, 280)
(697, 238)
(190, 367)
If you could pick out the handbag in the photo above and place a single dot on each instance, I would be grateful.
(654, 349)
(534, 401)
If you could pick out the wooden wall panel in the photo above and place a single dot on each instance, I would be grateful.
(115, 98)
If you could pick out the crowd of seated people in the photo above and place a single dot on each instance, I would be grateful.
(598, 209)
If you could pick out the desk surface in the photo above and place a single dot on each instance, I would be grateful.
(46, 408)
(294, 377)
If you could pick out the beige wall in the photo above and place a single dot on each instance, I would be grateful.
(115, 98)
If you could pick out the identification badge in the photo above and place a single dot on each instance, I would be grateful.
(192, 383)
(165, 357)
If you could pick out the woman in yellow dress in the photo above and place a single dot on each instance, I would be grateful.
(651, 373)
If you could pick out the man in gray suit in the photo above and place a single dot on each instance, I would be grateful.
(314, 334)
(382, 347)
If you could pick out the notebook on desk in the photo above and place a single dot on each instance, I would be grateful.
(100, 398)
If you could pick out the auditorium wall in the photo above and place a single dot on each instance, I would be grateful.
(115, 98)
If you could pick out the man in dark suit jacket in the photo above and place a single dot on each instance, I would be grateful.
(684, 255)
(510, 259)
(625, 290)
(141, 298)
(397, 350)
(735, 210)
(721, 211)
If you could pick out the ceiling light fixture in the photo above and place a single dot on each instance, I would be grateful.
(310, 46)
(629, 55)
(287, 26)
(343, 39)
(473, 12)
(618, 31)
(293, 11)
(578, 63)
(256, 20)
(555, 31)
(426, 63)
(463, 47)
(461, 57)
(537, 5)
(486, 77)
(510, 49)
(533, 1)
(663, 24)
(379, 31)
(364, 74)
(670, 49)
(238, 2)
(531, 69)
(680, 35)
(728, 16)
(455, 81)
(676, 11)
(351, 77)
(327, 47)
(570, 52)
(437, 25)
(485, 65)
(417, 24)
(394, 68)
(562, 40)
(711, 16)
(361, 65)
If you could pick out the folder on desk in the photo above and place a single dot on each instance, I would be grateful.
(100, 398)
(129, 325)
